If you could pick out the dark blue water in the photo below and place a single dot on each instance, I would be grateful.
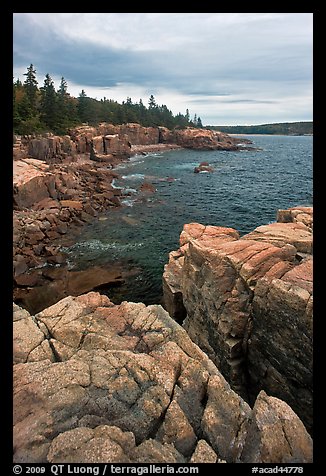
(245, 190)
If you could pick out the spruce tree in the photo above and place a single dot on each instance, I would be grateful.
(142, 113)
(59, 111)
(63, 109)
(30, 86)
(48, 103)
(82, 107)
(152, 102)
(20, 110)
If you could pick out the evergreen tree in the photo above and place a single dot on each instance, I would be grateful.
(25, 113)
(62, 91)
(66, 111)
(37, 110)
(166, 117)
(19, 109)
(72, 107)
(152, 102)
(153, 113)
(82, 106)
(181, 121)
(48, 103)
(30, 86)
(130, 111)
(142, 112)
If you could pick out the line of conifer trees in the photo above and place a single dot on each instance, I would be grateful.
(45, 109)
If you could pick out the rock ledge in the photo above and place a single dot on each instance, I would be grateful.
(96, 382)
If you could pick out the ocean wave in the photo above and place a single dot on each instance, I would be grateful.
(128, 202)
(133, 176)
(187, 166)
(113, 184)
(129, 190)
(154, 154)
(98, 245)
(136, 159)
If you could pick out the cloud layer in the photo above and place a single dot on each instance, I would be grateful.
(229, 68)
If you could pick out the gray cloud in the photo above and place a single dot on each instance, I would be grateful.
(250, 101)
(244, 59)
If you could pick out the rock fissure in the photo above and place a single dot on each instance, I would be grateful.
(56, 355)
(287, 439)
(172, 403)
(249, 304)
(161, 419)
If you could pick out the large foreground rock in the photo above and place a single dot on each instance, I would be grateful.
(247, 302)
(96, 382)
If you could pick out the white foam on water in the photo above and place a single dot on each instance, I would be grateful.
(133, 176)
(136, 159)
(129, 190)
(98, 245)
(128, 202)
(113, 185)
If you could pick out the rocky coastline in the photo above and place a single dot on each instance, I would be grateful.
(61, 183)
(221, 374)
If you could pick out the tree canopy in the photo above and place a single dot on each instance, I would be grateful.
(44, 109)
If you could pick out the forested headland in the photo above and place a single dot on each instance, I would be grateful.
(280, 128)
(39, 109)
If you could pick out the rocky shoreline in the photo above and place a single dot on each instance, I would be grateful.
(221, 374)
(61, 183)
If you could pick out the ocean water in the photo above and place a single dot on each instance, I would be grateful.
(245, 190)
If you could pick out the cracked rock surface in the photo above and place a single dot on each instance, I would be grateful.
(98, 382)
(248, 304)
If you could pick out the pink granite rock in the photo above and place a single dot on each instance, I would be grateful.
(125, 383)
(247, 302)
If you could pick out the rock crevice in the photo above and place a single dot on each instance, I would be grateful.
(106, 401)
(247, 302)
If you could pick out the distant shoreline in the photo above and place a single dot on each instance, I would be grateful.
(303, 128)
(266, 134)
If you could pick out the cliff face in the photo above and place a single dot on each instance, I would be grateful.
(247, 302)
(108, 142)
(97, 382)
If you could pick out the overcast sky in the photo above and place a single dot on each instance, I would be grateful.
(228, 68)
